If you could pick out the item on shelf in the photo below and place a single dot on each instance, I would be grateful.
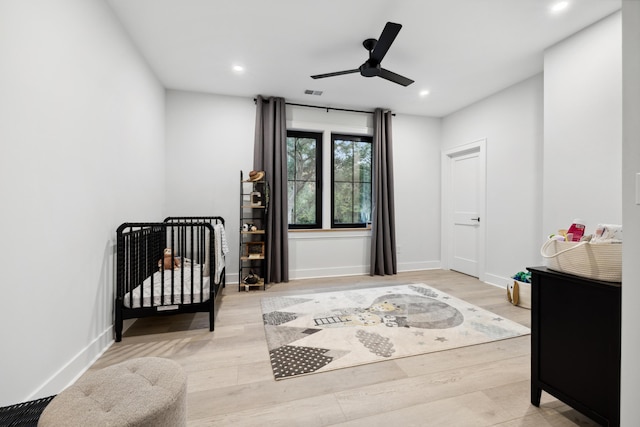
(251, 278)
(256, 175)
(255, 198)
(254, 249)
(249, 227)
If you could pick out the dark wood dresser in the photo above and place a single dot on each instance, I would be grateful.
(575, 343)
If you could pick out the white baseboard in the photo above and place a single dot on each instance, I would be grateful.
(77, 366)
(356, 270)
(419, 265)
(495, 280)
(312, 273)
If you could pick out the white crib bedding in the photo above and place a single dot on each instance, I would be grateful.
(221, 248)
(198, 296)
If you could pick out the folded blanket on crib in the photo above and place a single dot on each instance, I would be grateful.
(221, 247)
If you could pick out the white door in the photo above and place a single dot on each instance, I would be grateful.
(466, 218)
(463, 208)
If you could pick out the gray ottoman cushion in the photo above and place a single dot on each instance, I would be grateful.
(147, 391)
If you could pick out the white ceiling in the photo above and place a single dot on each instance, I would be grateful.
(459, 50)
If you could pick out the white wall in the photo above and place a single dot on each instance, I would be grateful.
(583, 151)
(210, 139)
(583, 128)
(81, 125)
(416, 151)
(511, 123)
(417, 195)
(630, 374)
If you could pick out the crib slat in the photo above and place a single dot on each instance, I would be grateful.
(193, 260)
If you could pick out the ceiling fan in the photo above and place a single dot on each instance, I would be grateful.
(377, 50)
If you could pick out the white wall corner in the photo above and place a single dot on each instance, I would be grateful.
(76, 367)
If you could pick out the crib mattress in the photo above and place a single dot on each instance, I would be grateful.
(180, 296)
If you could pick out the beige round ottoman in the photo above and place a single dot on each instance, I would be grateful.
(147, 391)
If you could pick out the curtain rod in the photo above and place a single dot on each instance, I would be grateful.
(327, 108)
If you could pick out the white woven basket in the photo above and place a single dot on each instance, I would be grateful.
(519, 293)
(596, 261)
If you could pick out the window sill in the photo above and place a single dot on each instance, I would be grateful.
(327, 230)
(329, 234)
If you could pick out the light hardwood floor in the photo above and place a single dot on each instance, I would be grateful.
(230, 380)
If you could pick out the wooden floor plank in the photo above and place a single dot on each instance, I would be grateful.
(311, 412)
(466, 410)
(405, 393)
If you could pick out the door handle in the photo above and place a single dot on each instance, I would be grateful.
(475, 219)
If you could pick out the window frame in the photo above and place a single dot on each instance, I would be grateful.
(318, 136)
(348, 137)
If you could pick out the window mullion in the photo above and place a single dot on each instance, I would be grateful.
(353, 177)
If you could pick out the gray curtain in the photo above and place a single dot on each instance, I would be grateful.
(270, 155)
(383, 227)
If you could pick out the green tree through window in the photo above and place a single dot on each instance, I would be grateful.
(351, 177)
(304, 168)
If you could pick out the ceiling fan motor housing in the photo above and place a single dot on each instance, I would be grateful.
(369, 70)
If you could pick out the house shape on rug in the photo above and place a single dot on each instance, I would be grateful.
(91, 138)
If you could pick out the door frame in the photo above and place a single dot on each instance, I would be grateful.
(446, 249)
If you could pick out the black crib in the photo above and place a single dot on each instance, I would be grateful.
(145, 288)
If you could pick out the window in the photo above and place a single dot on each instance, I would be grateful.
(304, 170)
(351, 178)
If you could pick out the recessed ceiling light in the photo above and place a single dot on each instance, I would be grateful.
(424, 93)
(238, 68)
(560, 6)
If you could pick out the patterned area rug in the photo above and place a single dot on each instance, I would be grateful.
(325, 331)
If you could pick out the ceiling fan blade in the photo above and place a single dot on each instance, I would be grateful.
(387, 37)
(337, 73)
(393, 77)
